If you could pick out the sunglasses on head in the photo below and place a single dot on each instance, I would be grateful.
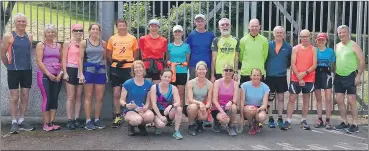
(228, 70)
(81, 30)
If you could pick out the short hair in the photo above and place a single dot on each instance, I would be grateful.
(137, 62)
(17, 15)
(344, 27)
(120, 20)
(201, 63)
(49, 27)
(256, 69)
(89, 28)
(278, 27)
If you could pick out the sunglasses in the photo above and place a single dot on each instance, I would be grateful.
(228, 70)
(81, 31)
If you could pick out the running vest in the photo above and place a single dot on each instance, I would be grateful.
(225, 94)
(94, 58)
(163, 101)
(19, 53)
(73, 54)
(51, 59)
(346, 60)
(199, 94)
(304, 60)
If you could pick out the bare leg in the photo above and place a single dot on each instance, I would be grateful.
(24, 101)
(89, 88)
(99, 92)
(78, 101)
(341, 106)
(14, 97)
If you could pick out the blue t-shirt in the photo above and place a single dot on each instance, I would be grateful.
(137, 93)
(325, 58)
(254, 95)
(200, 45)
(178, 54)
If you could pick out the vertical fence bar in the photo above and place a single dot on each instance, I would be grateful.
(335, 25)
(50, 22)
(77, 12)
(277, 15)
(244, 17)
(222, 13)
(214, 19)
(364, 42)
(169, 19)
(57, 22)
(145, 17)
(30, 21)
(63, 20)
(199, 7)
(237, 18)
(314, 15)
(270, 19)
(359, 38)
(184, 20)
(130, 14)
(176, 12)
(299, 19)
(285, 18)
(350, 20)
(89, 12)
(192, 18)
(229, 10)
(24, 8)
(83, 17)
(153, 9)
(247, 15)
(262, 16)
(11, 18)
(161, 15)
(17, 8)
(96, 10)
(138, 4)
(207, 13)
(70, 19)
(307, 15)
(321, 16)
(292, 18)
(329, 23)
(343, 12)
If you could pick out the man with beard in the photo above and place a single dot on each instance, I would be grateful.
(225, 50)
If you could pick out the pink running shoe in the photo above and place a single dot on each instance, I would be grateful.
(257, 128)
(55, 127)
(252, 130)
(48, 127)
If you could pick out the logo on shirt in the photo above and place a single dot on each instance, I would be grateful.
(122, 50)
(226, 48)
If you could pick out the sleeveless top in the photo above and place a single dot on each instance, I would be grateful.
(73, 54)
(51, 59)
(346, 60)
(304, 60)
(19, 53)
(225, 94)
(164, 100)
(199, 94)
(94, 58)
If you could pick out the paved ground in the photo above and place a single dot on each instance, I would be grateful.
(267, 139)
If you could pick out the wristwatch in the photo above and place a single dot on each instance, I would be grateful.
(307, 72)
(61, 72)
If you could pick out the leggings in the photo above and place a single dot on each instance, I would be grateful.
(50, 92)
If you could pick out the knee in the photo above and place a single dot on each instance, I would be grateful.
(179, 110)
(148, 117)
(261, 116)
(136, 121)
(234, 108)
(192, 109)
(160, 124)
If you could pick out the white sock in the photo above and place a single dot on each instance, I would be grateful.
(87, 120)
(96, 119)
(20, 120)
(302, 119)
(14, 121)
(289, 120)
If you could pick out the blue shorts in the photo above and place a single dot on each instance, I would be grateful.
(94, 74)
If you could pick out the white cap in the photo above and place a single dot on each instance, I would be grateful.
(177, 27)
(200, 16)
(154, 21)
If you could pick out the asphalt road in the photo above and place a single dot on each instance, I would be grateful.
(117, 139)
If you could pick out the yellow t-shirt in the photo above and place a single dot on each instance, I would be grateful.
(123, 48)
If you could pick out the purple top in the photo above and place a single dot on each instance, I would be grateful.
(225, 94)
(51, 59)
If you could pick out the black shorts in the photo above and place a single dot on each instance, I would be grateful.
(247, 78)
(162, 113)
(19, 77)
(323, 80)
(277, 84)
(119, 75)
(218, 76)
(181, 79)
(295, 87)
(184, 111)
(153, 76)
(73, 76)
(126, 110)
(345, 84)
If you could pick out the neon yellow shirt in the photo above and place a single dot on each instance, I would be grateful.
(226, 51)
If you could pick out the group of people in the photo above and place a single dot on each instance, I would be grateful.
(150, 83)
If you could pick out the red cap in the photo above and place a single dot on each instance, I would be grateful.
(322, 35)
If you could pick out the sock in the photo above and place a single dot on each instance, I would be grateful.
(96, 119)
(20, 120)
(117, 115)
(270, 117)
(279, 117)
(320, 119)
(14, 121)
(302, 119)
(289, 120)
(327, 120)
(88, 120)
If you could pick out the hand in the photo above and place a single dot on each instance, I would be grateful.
(131, 106)
(212, 79)
(184, 64)
(163, 118)
(228, 105)
(358, 80)
(58, 78)
(262, 108)
(66, 77)
(235, 77)
(107, 78)
(202, 107)
(51, 77)
(143, 109)
(81, 78)
(301, 75)
(175, 105)
(302, 83)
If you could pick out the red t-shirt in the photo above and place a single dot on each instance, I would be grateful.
(153, 48)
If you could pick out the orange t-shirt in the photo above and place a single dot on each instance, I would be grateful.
(123, 48)
(304, 60)
(153, 48)
(278, 47)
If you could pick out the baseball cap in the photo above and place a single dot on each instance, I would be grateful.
(200, 16)
(177, 27)
(154, 21)
(322, 36)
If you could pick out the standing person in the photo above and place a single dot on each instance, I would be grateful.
(254, 101)
(135, 99)
(92, 72)
(200, 41)
(166, 104)
(179, 54)
(303, 65)
(323, 79)
(278, 60)
(349, 69)
(16, 56)
(121, 52)
(70, 63)
(224, 108)
(153, 48)
(49, 75)
(225, 51)
(199, 99)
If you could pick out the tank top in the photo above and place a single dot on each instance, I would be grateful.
(163, 100)
(199, 94)
(304, 60)
(19, 53)
(225, 94)
(73, 54)
(346, 60)
(51, 59)
(94, 54)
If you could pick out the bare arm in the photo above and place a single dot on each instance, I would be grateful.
(293, 61)
(315, 61)
(265, 101)
(215, 96)
(123, 96)
(153, 100)
(64, 56)
(177, 100)
(81, 56)
(209, 96)
(242, 104)
(4, 48)
(235, 92)
(213, 62)
(236, 61)
(39, 55)
(360, 56)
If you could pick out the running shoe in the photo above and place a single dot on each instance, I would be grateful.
(48, 127)
(271, 123)
(117, 122)
(304, 125)
(319, 124)
(25, 127)
(177, 135)
(14, 128)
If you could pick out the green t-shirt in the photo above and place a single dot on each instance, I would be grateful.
(226, 49)
(254, 52)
